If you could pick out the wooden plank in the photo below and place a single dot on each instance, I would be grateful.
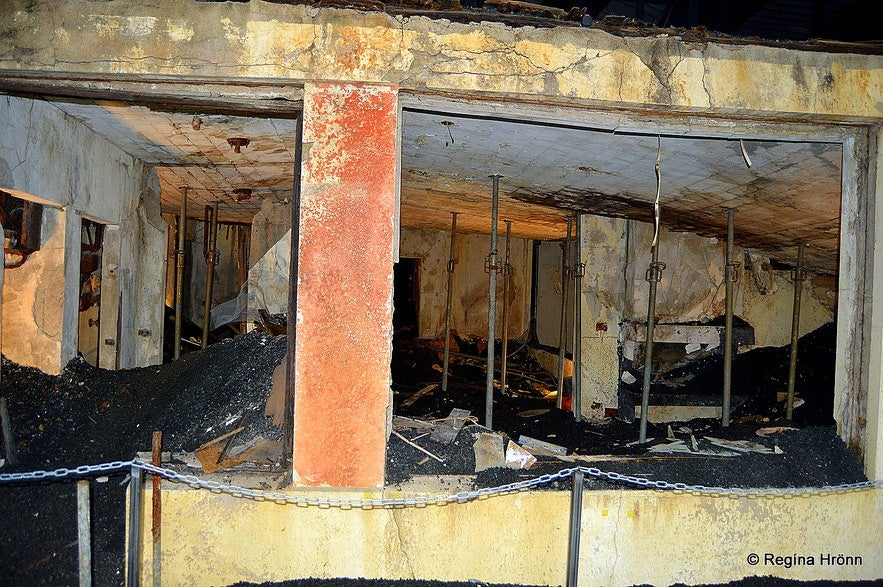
(547, 447)
(428, 389)
(450, 427)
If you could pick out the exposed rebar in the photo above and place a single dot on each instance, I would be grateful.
(211, 257)
(799, 277)
(450, 296)
(506, 272)
(728, 323)
(179, 275)
(492, 265)
(654, 275)
(576, 511)
(133, 564)
(562, 338)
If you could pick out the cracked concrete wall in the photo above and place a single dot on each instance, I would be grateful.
(271, 40)
(469, 305)
(55, 160)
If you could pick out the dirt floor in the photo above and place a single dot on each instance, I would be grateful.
(89, 416)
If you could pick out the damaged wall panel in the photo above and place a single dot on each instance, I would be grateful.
(469, 309)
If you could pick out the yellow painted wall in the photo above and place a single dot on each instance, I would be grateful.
(628, 537)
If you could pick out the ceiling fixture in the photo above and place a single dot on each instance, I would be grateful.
(196, 123)
(242, 194)
(237, 143)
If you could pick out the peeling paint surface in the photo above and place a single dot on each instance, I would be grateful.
(345, 294)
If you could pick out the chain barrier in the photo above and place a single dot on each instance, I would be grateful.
(422, 501)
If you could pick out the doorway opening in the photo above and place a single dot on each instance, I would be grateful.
(90, 290)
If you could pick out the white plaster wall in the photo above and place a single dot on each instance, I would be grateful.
(469, 306)
(54, 159)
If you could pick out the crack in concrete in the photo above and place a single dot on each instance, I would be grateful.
(615, 536)
(402, 548)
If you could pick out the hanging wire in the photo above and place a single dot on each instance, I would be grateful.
(658, 188)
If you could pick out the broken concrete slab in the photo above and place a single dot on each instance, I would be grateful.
(489, 451)
(740, 445)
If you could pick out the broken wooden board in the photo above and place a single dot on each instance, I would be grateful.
(534, 445)
(405, 423)
(449, 428)
(532, 413)
(428, 389)
(259, 450)
(742, 445)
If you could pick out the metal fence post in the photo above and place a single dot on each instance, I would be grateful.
(576, 510)
(132, 567)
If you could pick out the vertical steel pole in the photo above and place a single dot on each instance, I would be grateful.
(562, 339)
(576, 510)
(156, 480)
(179, 279)
(578, 272)
(492, 265)
(654, 275)
(506, 271)
(84, 536)
(8, 440)
(729, 277)
(211, 260)
(451, 262)
(799, 277)
(132, 579)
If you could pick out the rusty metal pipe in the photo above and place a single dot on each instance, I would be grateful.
(578, 272)
(799, 278)
(179, 275)
(492, 265)
(654, 275)
(450, 296)
(211, 258)
(156, 529)
(562, 338)
(133, 566)
(729, 277)
(506, 272)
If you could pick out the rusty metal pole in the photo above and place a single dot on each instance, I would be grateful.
(492, 265)
(799, 277)
(84, 534)
(653, 276)
(450, 296)
(506, 271)
(729, 277)
(133, 566)
(578, 271)
(156, 485)
(211, 258)
(179, 279)
(562, 338)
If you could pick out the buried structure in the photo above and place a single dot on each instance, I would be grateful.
(631, 214)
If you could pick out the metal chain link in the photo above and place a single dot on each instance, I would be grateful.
(423, 501)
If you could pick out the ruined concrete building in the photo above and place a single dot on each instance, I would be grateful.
(115, 113)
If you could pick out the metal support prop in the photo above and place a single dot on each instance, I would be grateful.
(729, 278)
(565, 286)
(653, 276)
(506, 272)
(576, 510)
(133, 566)
(799, 277)
(84, 535)
(179, 279)
(156, 481)
(451, 262)
(211, 257)
(579, 270)
(492, 265)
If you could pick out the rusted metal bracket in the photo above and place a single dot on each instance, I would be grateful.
(492, 262)
(734, 270)
(654, 272)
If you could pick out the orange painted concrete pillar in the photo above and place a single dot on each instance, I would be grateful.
(344, 323)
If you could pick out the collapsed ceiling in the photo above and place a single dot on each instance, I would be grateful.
(784, 192)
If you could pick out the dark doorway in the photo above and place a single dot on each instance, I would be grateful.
(406, 299)
(90, 290)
